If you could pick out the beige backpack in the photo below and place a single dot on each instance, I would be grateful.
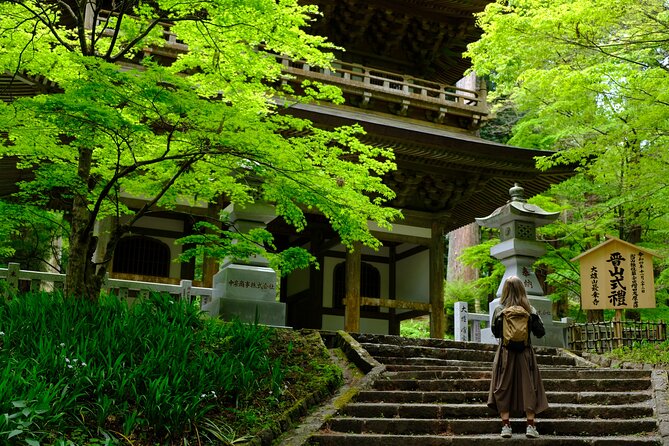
(515, 334)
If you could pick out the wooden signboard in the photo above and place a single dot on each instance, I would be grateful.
(617, 275)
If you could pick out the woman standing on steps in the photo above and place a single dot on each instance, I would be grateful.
(516, 385)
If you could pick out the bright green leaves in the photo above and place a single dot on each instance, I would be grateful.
(213, 242)
(590, 79)
(177, 102)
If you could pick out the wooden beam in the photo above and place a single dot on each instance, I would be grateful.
(400, 238)
(410, 315)
(392, 303)
(437, 316)
(352, 299)
(364, 257)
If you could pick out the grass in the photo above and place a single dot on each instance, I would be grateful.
(74, 372)
(643, 352)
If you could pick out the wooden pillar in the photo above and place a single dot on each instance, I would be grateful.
(394, 322)
(437, 316)
(618, 329)
(352, 297)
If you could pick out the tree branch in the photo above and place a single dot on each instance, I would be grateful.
(46, 23)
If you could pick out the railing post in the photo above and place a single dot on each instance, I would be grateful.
(13, 276)
(461, 321)
(186, 290)
(476, 331)
(618, 329)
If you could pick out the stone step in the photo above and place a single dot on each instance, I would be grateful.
(400, 396)
(545, 374)
(431, 356)
(339, 439)
(368, 338)
(565, 385)
(480, 410)
(434, 392)
(455, 366)
(482, 426)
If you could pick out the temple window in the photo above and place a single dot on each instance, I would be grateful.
(143, 256)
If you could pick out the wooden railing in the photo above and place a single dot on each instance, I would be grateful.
(41, 281)
(350, 76)
(601, 337)
(403, 90)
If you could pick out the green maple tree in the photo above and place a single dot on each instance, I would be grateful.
(204, 123)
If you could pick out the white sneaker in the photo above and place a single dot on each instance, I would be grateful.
(531, 432)
(506, 431)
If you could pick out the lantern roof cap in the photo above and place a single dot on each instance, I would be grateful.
(517, 208)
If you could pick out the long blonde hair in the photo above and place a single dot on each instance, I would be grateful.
(513, 293)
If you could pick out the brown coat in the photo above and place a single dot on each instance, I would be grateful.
(516, 384)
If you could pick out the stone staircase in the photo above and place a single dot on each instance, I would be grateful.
(433, 392)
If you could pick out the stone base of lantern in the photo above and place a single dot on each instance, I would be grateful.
(555, 330)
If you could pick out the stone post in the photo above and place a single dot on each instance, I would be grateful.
(518, 249)
(247, 290)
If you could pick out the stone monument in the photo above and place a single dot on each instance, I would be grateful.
(518, 249)
(247, 290)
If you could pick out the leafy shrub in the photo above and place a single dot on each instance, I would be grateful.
(415, 328)
(153, 370)
(643, 352)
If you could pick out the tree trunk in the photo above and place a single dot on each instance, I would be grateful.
(458, 241)
(595, 315)
(80, 280)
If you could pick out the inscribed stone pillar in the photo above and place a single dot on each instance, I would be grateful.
(248, 290)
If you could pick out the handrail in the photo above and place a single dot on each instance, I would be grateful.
(371, 78)
(350, 75)
(185, 289)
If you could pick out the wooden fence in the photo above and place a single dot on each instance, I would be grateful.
(41, 281)
(601, 337)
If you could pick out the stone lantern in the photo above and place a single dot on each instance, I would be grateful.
(518, 249)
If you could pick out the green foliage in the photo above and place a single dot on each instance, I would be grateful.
(643, 352)
(491, 270)
(589, 80)
(460, 291)
(155, 370)
(220, 132)
(217, 243)
(415, 328)
(29, 235)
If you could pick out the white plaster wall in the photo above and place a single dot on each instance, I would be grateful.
(413, 274)
(398, 229)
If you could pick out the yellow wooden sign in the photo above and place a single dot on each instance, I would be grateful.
(617, 275)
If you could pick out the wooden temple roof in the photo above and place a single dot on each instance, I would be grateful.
(451, 176)
(425, 38)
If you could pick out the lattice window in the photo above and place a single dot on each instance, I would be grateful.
(525, 231)
(143, 256)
